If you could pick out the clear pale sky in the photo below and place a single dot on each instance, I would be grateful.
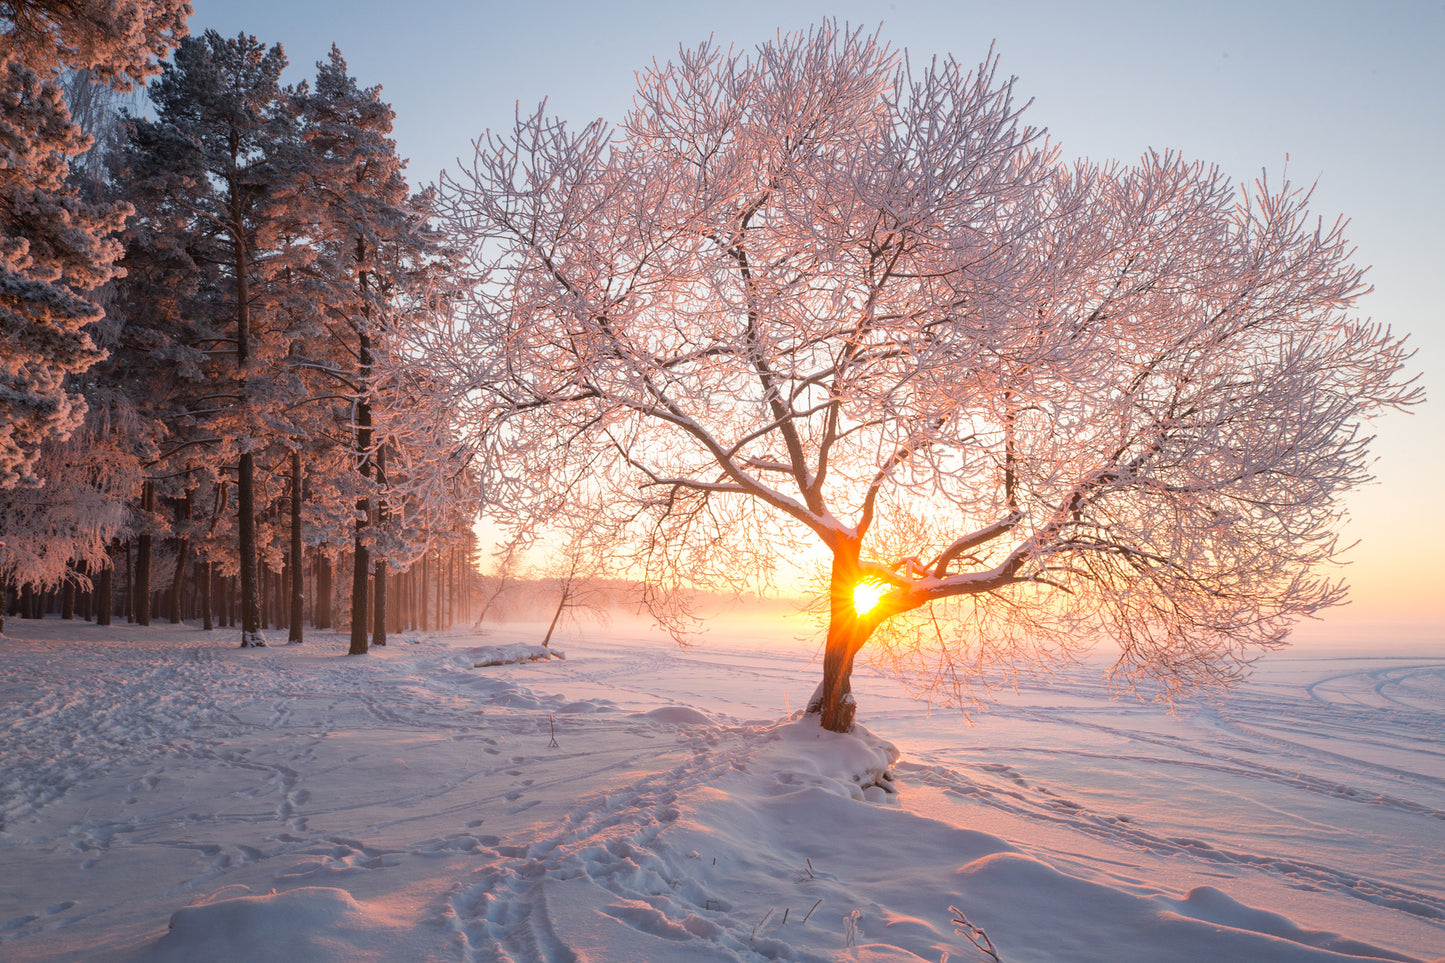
(1353, 93)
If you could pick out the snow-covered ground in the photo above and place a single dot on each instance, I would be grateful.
(167, 796)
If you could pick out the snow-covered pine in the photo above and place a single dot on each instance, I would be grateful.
(58, 530)
(55, 250)
(374, 248)
(117, 41)
(56, 247)
(819, 293)
(216, 152)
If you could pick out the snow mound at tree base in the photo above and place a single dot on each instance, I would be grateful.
(856, 764)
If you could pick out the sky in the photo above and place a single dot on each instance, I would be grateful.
(1348, 96)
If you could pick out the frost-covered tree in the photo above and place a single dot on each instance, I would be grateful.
(820, 294)
(69, 521)
(55, 246)
(119, 41)
(375, 246)
(217, 153)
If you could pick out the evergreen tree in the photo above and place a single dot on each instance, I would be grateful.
(374, 241)
(217, 152)
(55, 247)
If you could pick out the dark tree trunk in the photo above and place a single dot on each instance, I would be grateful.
(360, 572)
(127, 598)
(378, 613)
(250, 583)
(203, 579)
(246, 470)
(84, 597)
(424, 615)
(561, 606)
(322, 606)
(67, 597)
(263, 578)
(183, 549)
(105, 590)
(298, 593)
(143, 558)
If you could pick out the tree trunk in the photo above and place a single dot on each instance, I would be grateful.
(424, 616)
(183, 549)
(561, 604)
(203, 579)
(67, 597)
(263, 577)
(321, 608)
(361, 559)
(246, 470)
(360, 579)
(84, 597)
(833, 700)
(250, 584)
(143, 558)
(454, 585)
(378, 613)
(105, 591)
(362, 425)
(298, 593)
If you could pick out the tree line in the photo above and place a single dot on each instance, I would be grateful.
(205, 411)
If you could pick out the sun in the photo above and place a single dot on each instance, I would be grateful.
(866, 595)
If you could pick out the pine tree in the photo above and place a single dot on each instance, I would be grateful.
(373, 236)
(215, 152)
(55, 247)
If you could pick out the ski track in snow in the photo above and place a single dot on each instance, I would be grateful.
(149, 773)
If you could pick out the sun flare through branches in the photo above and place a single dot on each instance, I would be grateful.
(867, 595)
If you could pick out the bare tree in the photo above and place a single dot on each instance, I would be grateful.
(499, 582)
(573, 574)
(820, 294)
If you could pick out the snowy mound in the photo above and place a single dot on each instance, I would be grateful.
(314, 923)
(803, 753)
(484, 655)
(675, 716)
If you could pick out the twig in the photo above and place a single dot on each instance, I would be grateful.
(974, 934)
(552, 721)
(810, 912)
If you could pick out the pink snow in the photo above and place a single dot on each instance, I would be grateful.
(168, 796)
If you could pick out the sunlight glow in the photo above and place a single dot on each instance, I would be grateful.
(866, 596)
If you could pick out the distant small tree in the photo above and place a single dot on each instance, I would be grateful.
(498, 583)
(573, 575)
(821, 294)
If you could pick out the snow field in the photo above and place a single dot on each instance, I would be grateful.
(166, 796)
